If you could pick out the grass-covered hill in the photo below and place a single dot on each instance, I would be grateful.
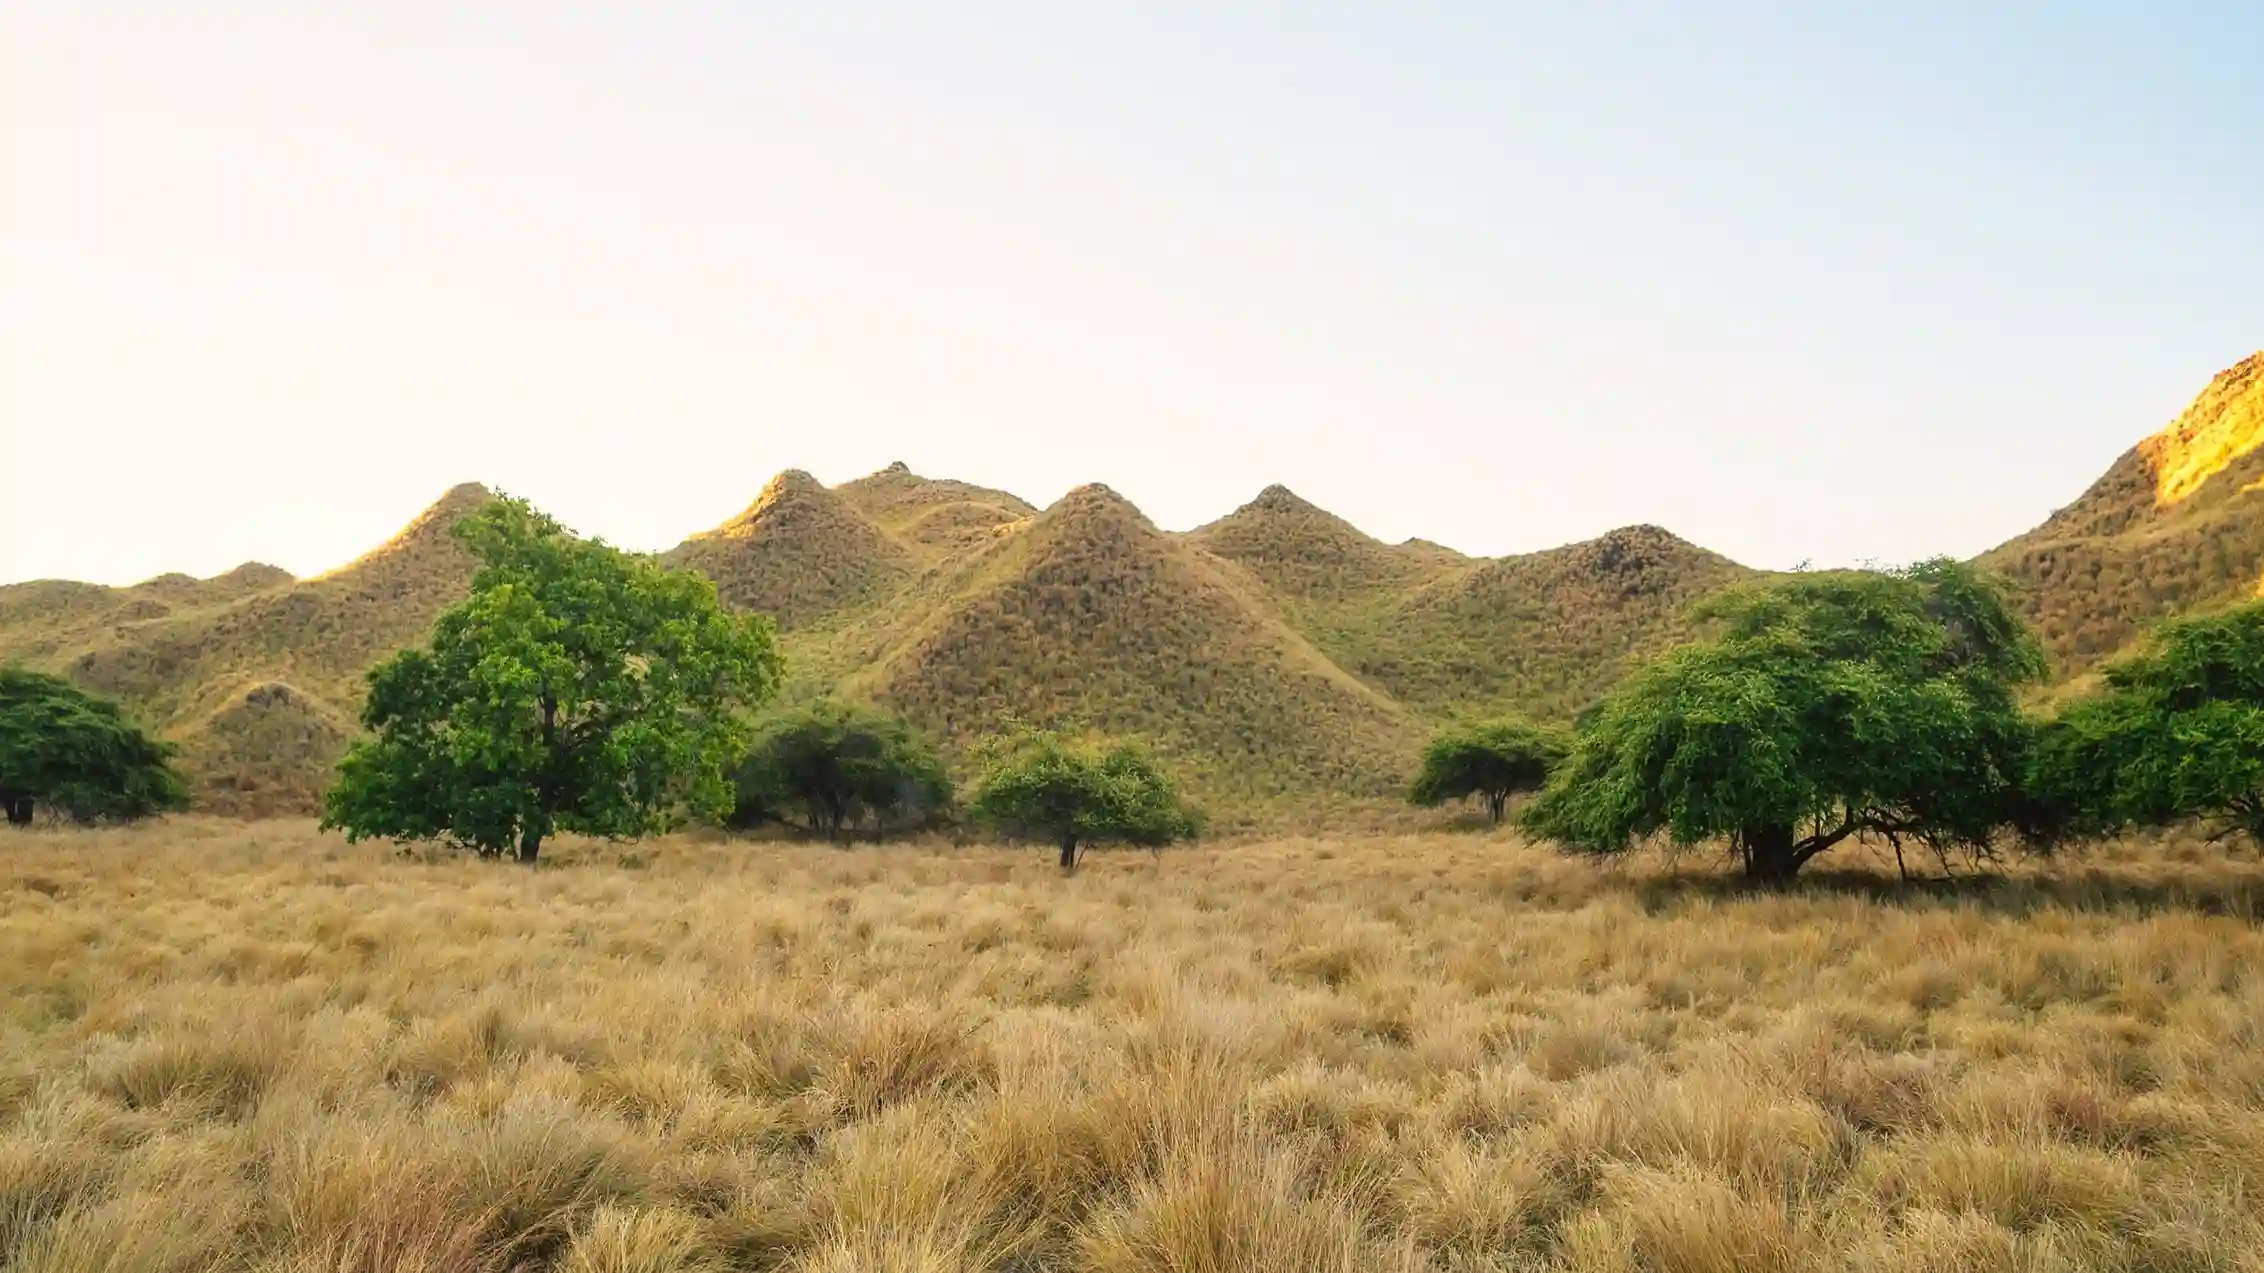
(1089, 616)
(1277, 654)
(2175, 525)
(1446, 635)
(258, 676)
(800, 553)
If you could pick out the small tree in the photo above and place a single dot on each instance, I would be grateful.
(1492, 761)
(2176, 735)
(579, 688)
(1038, 786)
(78, 755)
(1829, 706)
(835, 764)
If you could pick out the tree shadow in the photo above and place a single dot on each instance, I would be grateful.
(2228, 890)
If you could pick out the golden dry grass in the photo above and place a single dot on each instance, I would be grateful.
(251, 1047)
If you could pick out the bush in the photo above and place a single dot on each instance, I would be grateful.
(1038, 786)
(1492, 761)
(831, 766)
(2176, 735)
(78, 755)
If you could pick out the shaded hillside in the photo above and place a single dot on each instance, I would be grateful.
(800, 553)
(2175, 525)
(1092, 617)
(261, 688)
(264, 747)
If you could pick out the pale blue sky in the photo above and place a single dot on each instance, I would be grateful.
(1794, 280)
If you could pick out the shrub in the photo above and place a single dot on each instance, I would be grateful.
(2177, 734)
(833, 765)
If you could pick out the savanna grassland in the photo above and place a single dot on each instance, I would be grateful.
(232, 1046)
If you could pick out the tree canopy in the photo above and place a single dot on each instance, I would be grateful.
(833, 765)
(78, 755)
(579, 688)
(2176, 734)
(1493, 761)
(1039, 786)
(1825, 707)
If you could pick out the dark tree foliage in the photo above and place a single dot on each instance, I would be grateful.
(1492, 761)
(579, 688)
(78, 755)
(831, 766)
(1039, 786)
(2175, 735)
(1828, 706)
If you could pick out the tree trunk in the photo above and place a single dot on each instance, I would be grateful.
(1069, 855)
(1495, 802)
(18, 807)
(1771, 857)
(530, 845)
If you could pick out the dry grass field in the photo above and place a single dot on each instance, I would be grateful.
(230, 1046)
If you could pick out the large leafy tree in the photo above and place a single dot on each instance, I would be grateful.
(579, 688)
(1039, 786)
(78, 755)
(831, 765)
(2176, 734)
(1492, 761)
(1826, 707)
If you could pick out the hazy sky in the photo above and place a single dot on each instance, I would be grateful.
(1793, 280)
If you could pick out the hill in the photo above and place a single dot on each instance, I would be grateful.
(1090, 616)
(1446, 635)
(257, 675)
(2176, 524)
(937, 516)
(1275, 653)
(1304, 554)
(1542, 634)
(799, 553)
(45, 616)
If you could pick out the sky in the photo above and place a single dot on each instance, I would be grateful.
(1800, 282)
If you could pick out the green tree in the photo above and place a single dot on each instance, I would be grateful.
(835, 764)
(2175, 735)
(78, 755)
(1828, 706)
(579, 688)
(1038, 786)
(1493, 761)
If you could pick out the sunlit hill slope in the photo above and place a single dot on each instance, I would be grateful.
(2175, 525)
